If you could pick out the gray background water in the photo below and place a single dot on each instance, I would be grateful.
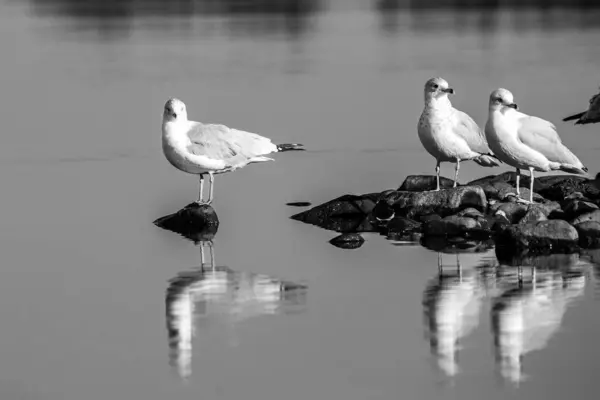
(85, 273)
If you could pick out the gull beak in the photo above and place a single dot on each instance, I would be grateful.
(513, 105)
(448, 90)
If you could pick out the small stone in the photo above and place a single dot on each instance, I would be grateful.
(197, 222)
(533, 214)
(348, 241)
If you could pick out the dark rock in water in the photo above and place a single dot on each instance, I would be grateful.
(298, 204)
(590, 216)
(348, 241)
(197, 222)
(533, 214)
(344, 214)
(556, 235)
(573, 208)
(421, 183)
(454, 225)
(444, 202)
(589, 234)
(401, 228)
(541, 261)
(567, 185)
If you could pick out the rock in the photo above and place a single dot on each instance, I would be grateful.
(345, 214)
(513, 212)
(533, 214)
(197, 222)
(298, 204)
(590, 216)
(552, 234)
(444, 202)
(382, 212)
(576, 207)
(421, 183)
(348, 241)
(589, 234)
(455, 225)
(556, 262)
(565, 185)
(456, 244)
(401, 228)
(471, 213)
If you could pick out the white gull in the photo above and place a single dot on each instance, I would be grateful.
(202, 149)
(589, 116)
(526, 142)
(449, 134)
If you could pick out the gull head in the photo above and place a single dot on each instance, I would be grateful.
(174, 111)
(501, 98)
(437, 88)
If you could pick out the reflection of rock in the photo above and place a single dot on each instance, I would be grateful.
(456, 245)
(525, 317)
(451, 310)
(348, 241)
(195, 222)
(214, 292)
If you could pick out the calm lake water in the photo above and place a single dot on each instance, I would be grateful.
(98, 303)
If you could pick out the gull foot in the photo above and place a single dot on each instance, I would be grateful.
(202, 202)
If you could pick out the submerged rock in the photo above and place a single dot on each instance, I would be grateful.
(455, 225)
(348, 241)
(552, 234)
(197, 222)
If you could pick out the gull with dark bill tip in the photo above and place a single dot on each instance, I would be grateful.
(449, 134)
(589, 116)
(210, 149)
(526, 142)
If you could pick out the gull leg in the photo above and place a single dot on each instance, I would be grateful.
(437, 175)
(531, 185)
(456, 172)
(201, 189)
(518, 191)
(211, 179)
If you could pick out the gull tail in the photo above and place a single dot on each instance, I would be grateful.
(576, 116)
(573, 169)
(290, 147)
(487, 160)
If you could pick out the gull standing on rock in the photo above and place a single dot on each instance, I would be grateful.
(591, 115)
(526, 142)
(449, 134)
(211, 149)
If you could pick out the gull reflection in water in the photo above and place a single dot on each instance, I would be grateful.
(214, 292)
(527, 313)
(452, 302)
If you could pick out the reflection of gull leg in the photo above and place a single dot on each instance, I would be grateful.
(520, 275)
(458, 268)
(440, 268)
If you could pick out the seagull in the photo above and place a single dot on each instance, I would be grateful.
(449, 134)
(526, 142)
(591, 115)
(201, 149)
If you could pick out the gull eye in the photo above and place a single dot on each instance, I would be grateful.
(435, 86)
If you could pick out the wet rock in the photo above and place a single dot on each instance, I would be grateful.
(533, 214)
(470, 213)
(348, 241)
(590, 216)
(454, 245)
(589, 234)
(383, 212)
(401, 228)
(513, 212)
(421, 183)
(552, 234)
(197, 222)
(444, 202)
(563, 186)
(540, 261)
(455, 225)
(345, 214)
(576, 207)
